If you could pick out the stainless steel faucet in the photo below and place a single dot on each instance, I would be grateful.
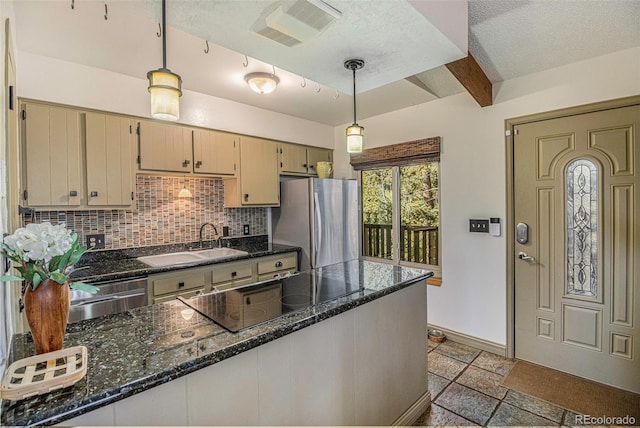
(214, 229)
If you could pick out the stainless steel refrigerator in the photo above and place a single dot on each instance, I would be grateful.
(320, 215)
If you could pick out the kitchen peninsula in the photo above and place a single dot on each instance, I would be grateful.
(356, 359)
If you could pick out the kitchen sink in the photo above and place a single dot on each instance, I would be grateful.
(215, 253)
(170, 259)
(181, 257)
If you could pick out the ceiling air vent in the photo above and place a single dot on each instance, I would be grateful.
(293, 22)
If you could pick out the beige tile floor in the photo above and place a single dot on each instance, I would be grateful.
(465, 390)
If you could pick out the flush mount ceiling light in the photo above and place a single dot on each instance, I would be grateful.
(355, 132)
(262, 83)
(165, 87)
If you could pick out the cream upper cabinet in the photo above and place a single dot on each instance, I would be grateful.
(301, 160)
(109, 154)
(52, 148)
(258, 183)
(315, 155)
(293, 159)
(165, 147)
(215, 152)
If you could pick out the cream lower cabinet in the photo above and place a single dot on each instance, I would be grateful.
(109, 160)
(168, 286)
(164, 287)
(257, 183)
(52, 156)
(231, 275)
(273, 266)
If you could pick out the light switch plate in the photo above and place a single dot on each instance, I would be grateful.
(481, 226)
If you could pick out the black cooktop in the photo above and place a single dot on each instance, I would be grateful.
(252, 304)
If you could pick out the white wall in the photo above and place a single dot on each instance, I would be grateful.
(50, 79)
(472, 298)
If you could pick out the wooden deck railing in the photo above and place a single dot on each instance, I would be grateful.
(417, 243)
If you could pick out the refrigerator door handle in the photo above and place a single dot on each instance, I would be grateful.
(318, 228)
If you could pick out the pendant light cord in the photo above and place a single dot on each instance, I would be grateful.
(164, 36)
(354, 94)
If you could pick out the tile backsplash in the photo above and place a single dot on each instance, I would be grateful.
(161, 217)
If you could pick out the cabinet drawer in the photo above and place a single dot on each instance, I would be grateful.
(230, 273)
(232, 284)
(177, 282)
(284, 262)
(171, 297)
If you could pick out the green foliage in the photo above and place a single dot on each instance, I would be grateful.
(418, 195)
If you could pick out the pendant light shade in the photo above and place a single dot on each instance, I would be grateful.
(355, 132)
(355, 135)
(165, 87)
(262, 83)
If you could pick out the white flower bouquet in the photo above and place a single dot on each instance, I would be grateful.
(44, 251)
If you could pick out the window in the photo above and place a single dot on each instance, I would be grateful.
(400, 205)
(400, 202)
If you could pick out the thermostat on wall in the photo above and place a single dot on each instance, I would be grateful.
(494, 226)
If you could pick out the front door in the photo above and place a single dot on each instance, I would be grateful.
(577, 249)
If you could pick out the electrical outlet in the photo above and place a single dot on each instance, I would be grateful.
(95, 241)
(479, 226)
(245, 229)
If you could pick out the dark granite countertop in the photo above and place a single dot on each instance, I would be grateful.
(136, 350)
(107, 265)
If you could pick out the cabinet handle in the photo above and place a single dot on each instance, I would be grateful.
(180, 284)
(198, 164)
(132, 198)
(94, 194)
(312, 166)
(71, 193)
(246, 197)
(234, 274)
(278, 264)
(186, 163)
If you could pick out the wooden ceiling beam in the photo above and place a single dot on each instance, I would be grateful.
(471, 76)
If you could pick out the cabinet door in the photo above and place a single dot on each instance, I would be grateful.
(52, 155)
(165, 147)
(293, 159)
(214, 152)
(259, 181)
(315, 155)
(109, 159)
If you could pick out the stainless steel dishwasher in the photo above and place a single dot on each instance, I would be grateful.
(112, 297)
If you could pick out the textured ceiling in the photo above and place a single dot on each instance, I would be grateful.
(511, 38)
(507, 38)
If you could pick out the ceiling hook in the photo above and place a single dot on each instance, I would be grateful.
(337, 95)
(304, 82)
(318, 89)
(159, 32)
(106, 12)
(73, 4)
(246, 62)
(207, 49)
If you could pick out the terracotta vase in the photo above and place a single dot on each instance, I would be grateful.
(47, 310)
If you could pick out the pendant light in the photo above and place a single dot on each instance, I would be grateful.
(355, 132)
(185, 193)
(165, 87)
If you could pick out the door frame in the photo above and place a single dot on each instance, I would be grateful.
(509, 126)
